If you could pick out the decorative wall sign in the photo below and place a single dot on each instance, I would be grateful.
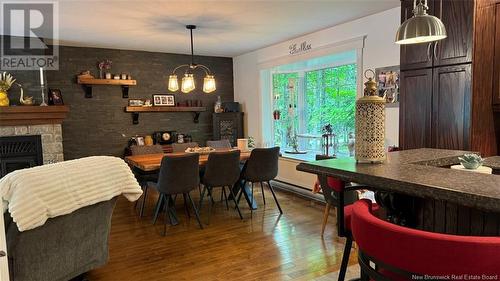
(299, 48)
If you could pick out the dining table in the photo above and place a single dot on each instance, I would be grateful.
(151, 162)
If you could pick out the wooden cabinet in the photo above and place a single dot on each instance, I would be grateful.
(458, 17)
(415, 56)
(451, 107)
(228, 125)
(415, 109)
(436, 102)
(496, 73)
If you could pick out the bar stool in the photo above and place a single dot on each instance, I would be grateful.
(401, 253)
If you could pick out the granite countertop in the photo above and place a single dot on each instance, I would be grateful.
(492, 162)
(418, 172)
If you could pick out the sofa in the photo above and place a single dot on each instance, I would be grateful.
(63, 248)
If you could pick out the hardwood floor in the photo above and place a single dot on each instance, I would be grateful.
(267, 247)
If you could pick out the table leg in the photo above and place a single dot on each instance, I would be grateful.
(241, 185)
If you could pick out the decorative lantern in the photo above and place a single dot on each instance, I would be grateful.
(370, 124)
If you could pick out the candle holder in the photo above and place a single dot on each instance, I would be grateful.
(43, 88)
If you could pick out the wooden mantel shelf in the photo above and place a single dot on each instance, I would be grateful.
(32, 115)
(87, 83)
(135, 110)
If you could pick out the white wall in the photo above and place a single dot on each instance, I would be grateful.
(379, 51)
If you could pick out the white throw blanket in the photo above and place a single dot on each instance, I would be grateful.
(39, 193)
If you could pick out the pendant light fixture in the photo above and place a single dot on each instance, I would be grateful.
(187, 82)
(420, 28)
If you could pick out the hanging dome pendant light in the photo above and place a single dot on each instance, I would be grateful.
(187, 82)
(420, 28)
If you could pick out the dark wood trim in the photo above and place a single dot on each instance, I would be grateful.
(483, 135)
(32, 115)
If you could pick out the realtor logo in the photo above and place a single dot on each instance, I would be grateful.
(27, 28)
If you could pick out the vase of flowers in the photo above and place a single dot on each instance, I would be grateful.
(6, 81)
(104, 65)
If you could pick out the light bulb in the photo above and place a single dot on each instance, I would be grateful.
(187, 84)
(209, 84)
(173, 83)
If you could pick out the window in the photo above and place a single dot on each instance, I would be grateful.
(305, 101)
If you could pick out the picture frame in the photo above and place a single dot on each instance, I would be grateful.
(55, 97)
(163, 100)
(135, 102)
(387, 79)
(140, 141)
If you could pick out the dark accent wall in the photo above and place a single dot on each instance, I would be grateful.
(99, 125)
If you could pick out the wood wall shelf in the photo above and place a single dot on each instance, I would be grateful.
(32, 115)
(135, 110)
(89, 82)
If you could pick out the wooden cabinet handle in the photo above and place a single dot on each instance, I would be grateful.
(2, 254)
(429, 55)
(436, 50)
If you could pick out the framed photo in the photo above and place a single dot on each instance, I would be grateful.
(135, 102)
(163, 100)
(55, 97)
(140, 141)
(388, 83)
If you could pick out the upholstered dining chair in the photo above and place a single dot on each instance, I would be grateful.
(222, 170)
(181, 147)
(262, 166)
(142, 176)
(402, 253)
(219, 144)
(178, 175)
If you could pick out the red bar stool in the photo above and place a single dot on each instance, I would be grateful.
(401, 253)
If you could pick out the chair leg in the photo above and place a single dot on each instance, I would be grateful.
(186, 207)
(326, 214)
(225, 197)
(345, 259)
(144, 200)
(195, 211)
(210, 205)
(251, 209)
(158, 207)
(201, 197)
(262, 190)
(274, 195)
(235, 203)
(241, 191)
(166, 214)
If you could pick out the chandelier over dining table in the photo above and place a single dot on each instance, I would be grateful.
(188, 82)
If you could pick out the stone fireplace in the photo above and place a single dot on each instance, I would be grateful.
(23, 128)
(51, 136)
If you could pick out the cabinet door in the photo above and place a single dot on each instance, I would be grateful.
(458, 17)
(415, 109)
(415, 56)
(496, 74)
(451, 107)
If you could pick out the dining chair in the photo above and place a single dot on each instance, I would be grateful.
(402, 253)
(178, 175)
(328, 186)
(222, 170)
(219, 144)
(261, 166)
(181, 147)
(142, 176)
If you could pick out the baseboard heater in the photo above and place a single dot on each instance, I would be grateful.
(298, 190)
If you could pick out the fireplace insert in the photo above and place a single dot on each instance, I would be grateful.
(19, 152)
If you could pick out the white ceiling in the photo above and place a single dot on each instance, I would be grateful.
(225, 28)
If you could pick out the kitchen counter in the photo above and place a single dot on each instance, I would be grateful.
(494, 163)
(419, 172)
